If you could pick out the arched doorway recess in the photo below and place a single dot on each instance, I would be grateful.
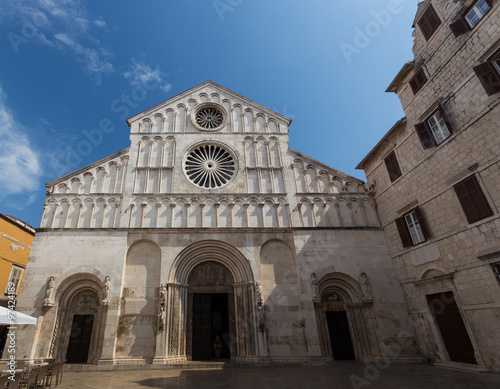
(343, 318)
(200, 272)
(79, 327)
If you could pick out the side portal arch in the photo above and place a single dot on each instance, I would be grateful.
(344, 316)
(78, 330)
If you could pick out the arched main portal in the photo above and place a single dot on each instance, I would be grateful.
(344, 317)
(200, 273)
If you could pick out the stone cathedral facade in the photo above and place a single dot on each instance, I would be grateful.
(209, 238)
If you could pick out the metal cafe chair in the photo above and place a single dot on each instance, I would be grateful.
(16, 384)
(31, 382)
(55, 370)
(40, 379)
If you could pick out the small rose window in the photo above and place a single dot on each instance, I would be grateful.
(209, 117)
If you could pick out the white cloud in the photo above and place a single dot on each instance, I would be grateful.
(144, 75)
(59, 24)
(166, 87)
(21, 168)
(100, 23)
(90, 57)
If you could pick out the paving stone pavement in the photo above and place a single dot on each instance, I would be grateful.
(339, 375)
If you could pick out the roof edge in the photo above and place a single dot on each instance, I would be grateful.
(210, 82)
(396, 125)
(407, 67)
(90, 166)
(299, 154)
(19, 223)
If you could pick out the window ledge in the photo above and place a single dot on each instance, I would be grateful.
(489, 255)
(485, 220)
(465, 172)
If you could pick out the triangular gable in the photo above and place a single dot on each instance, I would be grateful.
(201, 86)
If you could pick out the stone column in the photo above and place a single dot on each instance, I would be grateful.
(327, 221)
(172, 206)
(246, 327)
(216, 207)
(160, 357)
(276, 211)
(231, 215)
(176, 322)
(245, 207)
(202, 215)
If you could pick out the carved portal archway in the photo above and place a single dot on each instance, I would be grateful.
(211, 267)
(338, 293)
(81, 294)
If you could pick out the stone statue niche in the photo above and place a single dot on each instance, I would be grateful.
(314, 285)
(50, 293)
(365, 287)
(106, 285)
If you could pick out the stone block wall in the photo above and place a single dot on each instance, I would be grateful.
(454, 248)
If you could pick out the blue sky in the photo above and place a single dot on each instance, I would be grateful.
(67, 65)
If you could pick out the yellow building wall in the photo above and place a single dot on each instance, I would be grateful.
(15, 247)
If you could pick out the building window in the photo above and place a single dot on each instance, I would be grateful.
(412, 228)
(472, 199)
(429, 22)
(435, 129)
(489, 74)
(477, 12)
(418, 80)
(392, 165)
(15, 278)
(471, 17)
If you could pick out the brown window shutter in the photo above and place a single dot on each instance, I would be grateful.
(460, 27)
(472, 200)
(425, 135)
(489, 77)
(414, 85)
(418, 80)
(423, 224)
(445, 118)
(429, 22)
(392, 166)
(425, 27)
(404, 234)
(420, 76)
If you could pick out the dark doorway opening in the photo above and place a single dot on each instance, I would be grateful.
(210, 326)
(451, 326)
(340, 336)
(79, 339)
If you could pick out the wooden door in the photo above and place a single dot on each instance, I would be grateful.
(452, 327)
(340, 336)
(79, 341)
(202, 327)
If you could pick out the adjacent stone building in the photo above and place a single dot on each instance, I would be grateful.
(210, 238)
(436, 181)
